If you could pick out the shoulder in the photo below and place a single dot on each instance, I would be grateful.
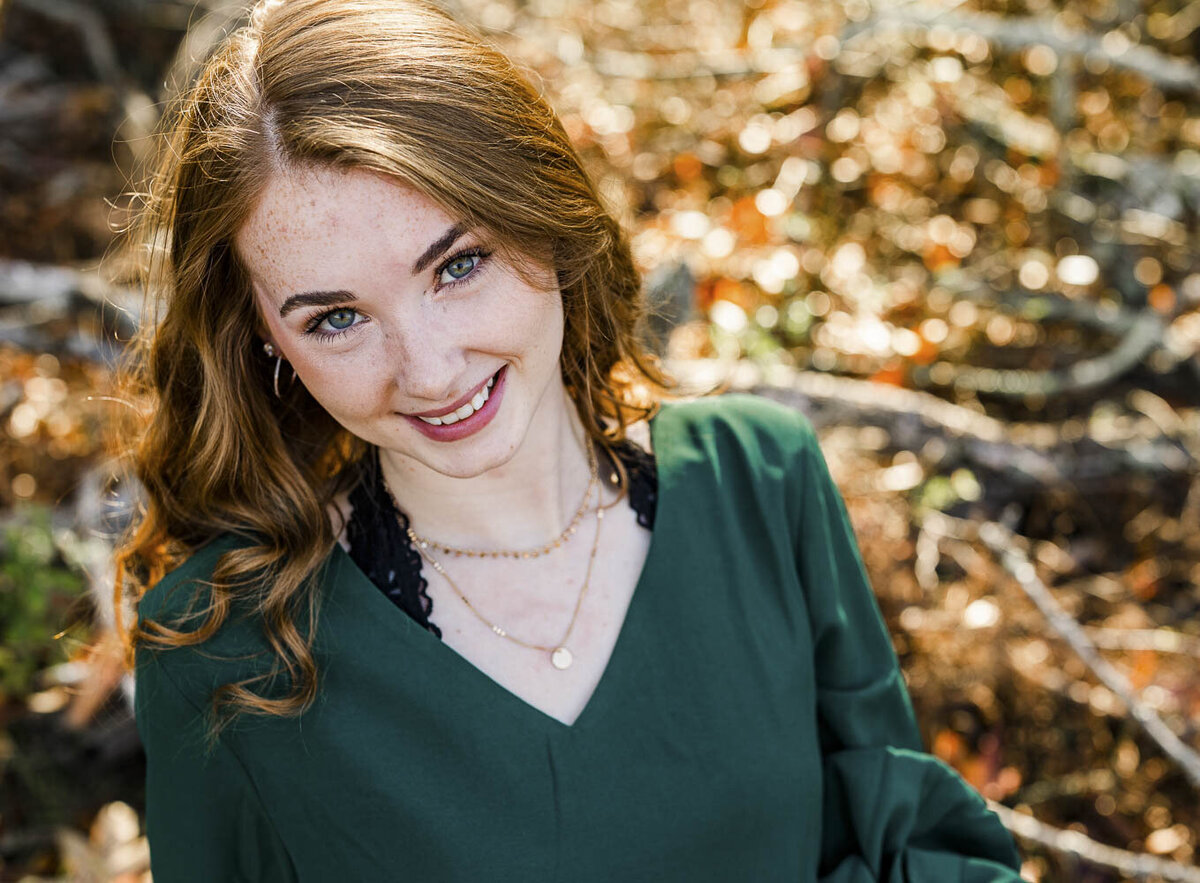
(180, 603)
(739, 424)
(186, 588)
(749, 453)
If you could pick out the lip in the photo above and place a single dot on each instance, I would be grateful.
(444, 411)
(470, 426)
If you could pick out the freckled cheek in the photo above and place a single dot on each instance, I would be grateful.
(348, 386)
(532, 321)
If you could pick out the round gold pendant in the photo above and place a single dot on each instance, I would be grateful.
(562, 658)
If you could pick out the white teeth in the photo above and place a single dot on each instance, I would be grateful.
(491, 381)
(465, 411)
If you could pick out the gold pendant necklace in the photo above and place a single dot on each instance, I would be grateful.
(560, 655)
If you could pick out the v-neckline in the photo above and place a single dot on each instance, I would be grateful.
(603, 692)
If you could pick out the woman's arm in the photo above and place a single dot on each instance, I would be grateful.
(204, 819)
(891, 812)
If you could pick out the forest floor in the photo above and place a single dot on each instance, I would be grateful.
(963, 241)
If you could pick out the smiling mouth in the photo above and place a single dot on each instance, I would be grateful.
(464, 410)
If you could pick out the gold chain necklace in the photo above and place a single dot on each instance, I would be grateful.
(560, 656)
(425, 543)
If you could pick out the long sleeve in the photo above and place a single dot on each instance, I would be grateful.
(891, 812)
(204, 819)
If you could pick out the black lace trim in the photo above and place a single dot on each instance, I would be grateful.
(643, 480)
(378, 532)
(378, 536)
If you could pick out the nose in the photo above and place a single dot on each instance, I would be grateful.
(426, 366)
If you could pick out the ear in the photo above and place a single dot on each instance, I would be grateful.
(265, 341)
(263, 337)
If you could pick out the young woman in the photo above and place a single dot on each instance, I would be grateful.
(431, 583)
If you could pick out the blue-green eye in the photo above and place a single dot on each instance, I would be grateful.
(334, 322)
(460, 267)
(464, 266)
(340, 319)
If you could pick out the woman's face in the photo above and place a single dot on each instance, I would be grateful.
(388, 308)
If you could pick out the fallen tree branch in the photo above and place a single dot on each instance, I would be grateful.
(1130, 864)
(1157, 640)
(65, 311)
(987, 108)
(1007, 547)
(1025, 453)
(1142, 338)
(1021, 33)
(57, 290)
(1040, 306)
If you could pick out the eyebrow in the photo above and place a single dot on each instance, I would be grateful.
(436, 250)
(315, 299)
(333, 298)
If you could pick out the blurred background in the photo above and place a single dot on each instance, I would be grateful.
(960, 236)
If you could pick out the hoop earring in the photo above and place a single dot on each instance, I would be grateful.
(269, 349)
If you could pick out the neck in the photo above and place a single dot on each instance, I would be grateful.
(521, 503)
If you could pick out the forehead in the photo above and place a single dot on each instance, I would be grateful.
(311, 222)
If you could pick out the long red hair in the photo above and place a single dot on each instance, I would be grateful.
(395, 87)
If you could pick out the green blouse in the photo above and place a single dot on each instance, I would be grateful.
(752, 723)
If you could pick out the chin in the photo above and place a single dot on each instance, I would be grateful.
(466, 458)
(465, 467)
